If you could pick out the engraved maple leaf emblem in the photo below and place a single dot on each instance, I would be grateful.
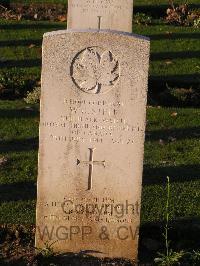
(94, 71)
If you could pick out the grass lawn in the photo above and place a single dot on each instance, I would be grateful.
(171, 149)
(175, 50)
(172, 146)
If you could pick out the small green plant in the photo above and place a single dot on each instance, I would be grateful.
(192, 258)
(195, 257)
(170, 257)
(47, 251)
(46, 256)
(33, 97)
(142, 19)
(14, 83)
(180, 96)
(197, 23)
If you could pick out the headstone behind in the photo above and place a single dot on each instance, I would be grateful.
(93, 105)
(102, 14)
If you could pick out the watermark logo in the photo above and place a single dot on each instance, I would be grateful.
(118, 210)
(71, 233)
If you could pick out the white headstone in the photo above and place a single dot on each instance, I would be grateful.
(93, 106)
(100, 14)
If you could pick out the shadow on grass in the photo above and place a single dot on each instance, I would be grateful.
(176, 133)
(18, 113)
(21, 63)
(158, 82)
(15, 43)
(159, 93)
(19, 145)
(174, 36)
(184, 234)
(71, 260)
(34, 26)
(81, 259)
(174, 55)
(181, 173)
(17, 191)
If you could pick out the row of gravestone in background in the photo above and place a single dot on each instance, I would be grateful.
(158, 86)
(155, 10)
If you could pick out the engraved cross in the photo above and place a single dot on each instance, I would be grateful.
(99, 22)
(91, 164)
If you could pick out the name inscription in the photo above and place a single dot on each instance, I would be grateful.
(93, 122)
(100, 5)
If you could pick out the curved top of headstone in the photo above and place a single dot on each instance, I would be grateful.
(111, 32)
(100, 14)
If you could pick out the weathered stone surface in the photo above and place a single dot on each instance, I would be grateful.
(103, 14)
(93, 105)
